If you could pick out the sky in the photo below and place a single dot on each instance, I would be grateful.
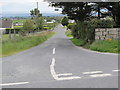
(24, 6)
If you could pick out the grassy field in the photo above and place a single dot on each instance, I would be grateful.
(100, 45)
(19, 21)
(19, 44)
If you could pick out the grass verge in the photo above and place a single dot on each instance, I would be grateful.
(106, 46)
(69, 34)
(100, 45)
(19, 44)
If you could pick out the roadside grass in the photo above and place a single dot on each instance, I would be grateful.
(6, 36)
(19, 44)
(69, 34)
(106, 46)
(77, 42)
(100, 45)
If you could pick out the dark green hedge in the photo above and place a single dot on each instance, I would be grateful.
(12, 30)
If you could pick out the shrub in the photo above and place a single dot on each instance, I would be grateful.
(46, 28)
(64, 21)
(70, 25)
(12, 30)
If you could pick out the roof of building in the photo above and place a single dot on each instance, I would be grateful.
(6, 23)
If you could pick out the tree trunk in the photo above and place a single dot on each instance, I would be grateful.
(98, 12)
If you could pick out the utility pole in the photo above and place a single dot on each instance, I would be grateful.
(37, 17)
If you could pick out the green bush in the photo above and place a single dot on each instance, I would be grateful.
(68, 33)
(70, 25)
(46, 28)
(64, 21)
(12, 30)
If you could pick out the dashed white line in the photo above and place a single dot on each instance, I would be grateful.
(53, 51)
(100, 75)
(115, 70)
(8, 84)
(65, 74)
(93, 72)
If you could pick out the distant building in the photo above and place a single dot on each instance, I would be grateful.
(71, 21)
(53, 21)
(18, 24)
(7, 23)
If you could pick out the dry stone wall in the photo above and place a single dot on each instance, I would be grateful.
(107, 33)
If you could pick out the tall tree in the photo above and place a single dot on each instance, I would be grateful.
(36, 16)
(28, 26)
(78, 11)
(35, 12)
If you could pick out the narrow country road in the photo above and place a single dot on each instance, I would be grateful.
(57, 63)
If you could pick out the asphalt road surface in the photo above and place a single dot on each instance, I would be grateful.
(57, 63)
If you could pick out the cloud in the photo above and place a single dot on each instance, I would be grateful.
(21, 1)
(13, 6)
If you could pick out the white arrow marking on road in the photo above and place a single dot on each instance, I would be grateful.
(115, 70)
(55, 76)
(93, 72)
(53, 50)
(8, 84)
(100, 75)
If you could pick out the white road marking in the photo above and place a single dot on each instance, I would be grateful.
(65, 74)
(55, 76)
(8, 84)
(52, 69)
(69, 78)
(115, 70)
(101, 75)
(93, 72)
(53, 50)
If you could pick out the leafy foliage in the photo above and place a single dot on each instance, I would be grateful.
(28, 26)
(64, 21)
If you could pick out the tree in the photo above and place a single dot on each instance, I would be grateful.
(40, 23)
(36, 16)
(116, 12)
(78, 11)
(64, 21)
(35, 12)
(28, 26)
(112, 9)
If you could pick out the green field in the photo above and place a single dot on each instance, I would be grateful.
(19, 21)
(6, 36)
(18, 44)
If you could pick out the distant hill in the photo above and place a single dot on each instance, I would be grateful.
(27, 15)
